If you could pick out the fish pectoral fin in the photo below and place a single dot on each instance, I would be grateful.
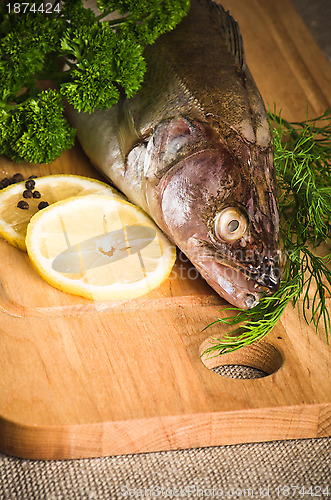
(231, 32)
(127, 134)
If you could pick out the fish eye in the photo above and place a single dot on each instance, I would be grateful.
(230, 224)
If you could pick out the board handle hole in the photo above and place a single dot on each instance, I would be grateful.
(239, 371)
(250, 362)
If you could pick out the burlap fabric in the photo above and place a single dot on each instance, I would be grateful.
(267, 470)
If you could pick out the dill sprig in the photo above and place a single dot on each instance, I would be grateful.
(302, 153)
(303, 165)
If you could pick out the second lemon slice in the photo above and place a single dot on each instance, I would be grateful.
(100, 248)
(52, 188)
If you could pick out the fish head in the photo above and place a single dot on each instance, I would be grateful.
(218, 204)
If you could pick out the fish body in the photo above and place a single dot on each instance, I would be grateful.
(193, 148)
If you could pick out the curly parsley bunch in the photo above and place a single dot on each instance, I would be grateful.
(102, 57)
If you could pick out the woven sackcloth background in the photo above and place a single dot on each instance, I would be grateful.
(261, 470)
(248, 470)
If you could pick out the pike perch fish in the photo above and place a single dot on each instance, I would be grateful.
(193, 148)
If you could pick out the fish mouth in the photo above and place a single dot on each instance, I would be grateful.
(231, 284)
(267, 274)
(240, 286)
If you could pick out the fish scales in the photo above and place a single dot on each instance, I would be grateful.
(193, 148)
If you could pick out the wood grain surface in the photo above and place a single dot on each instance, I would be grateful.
(82, 379)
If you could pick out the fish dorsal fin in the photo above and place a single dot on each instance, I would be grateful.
(230, 30)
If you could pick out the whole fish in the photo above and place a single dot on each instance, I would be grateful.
(193, 148)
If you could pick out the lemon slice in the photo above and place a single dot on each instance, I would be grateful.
(99, 248)
(52, 188)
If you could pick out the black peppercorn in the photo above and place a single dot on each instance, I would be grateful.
(36, 194)
(30, 184)
(5, 182)
(17, 177)
(23, 204)
(27, 194)
(42, 204)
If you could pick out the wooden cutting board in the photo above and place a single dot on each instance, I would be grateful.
(83, 379)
